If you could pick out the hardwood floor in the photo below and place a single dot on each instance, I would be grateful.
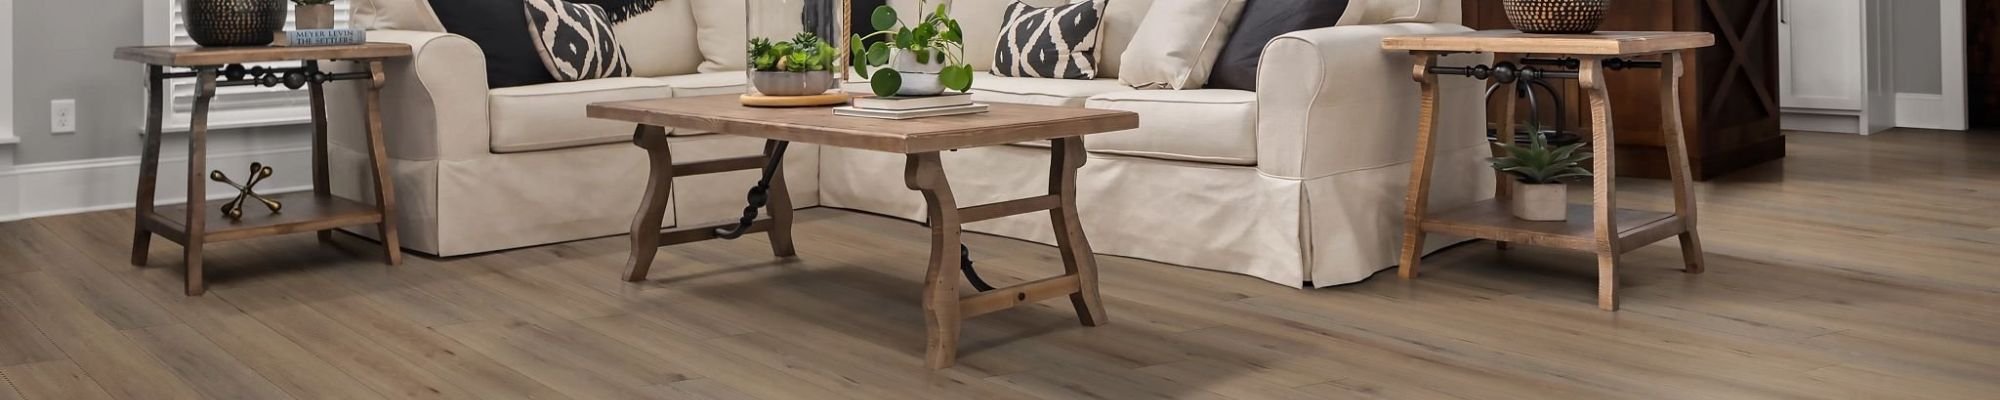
(1860, 267)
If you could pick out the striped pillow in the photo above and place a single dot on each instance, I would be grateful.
(1053, 42)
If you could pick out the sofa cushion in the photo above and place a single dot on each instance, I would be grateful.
(551, 115)
(1207, 125)
(1393, 11)
(720, 33)
(1041, 91)
(660, 42)
(704, 84)
(707, 83)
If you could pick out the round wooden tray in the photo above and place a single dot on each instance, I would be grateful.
(827, 99)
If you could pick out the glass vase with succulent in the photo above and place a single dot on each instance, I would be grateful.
(918, 59)
(802, 66)
(1539, 170)
(312, 14)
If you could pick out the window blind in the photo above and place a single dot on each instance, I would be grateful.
(240, 106)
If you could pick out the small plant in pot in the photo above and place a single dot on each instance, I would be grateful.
(921, 60)
(1538, 171)
(312, 14)
(800, 67)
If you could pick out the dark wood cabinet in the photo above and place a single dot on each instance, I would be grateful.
(1731, 107)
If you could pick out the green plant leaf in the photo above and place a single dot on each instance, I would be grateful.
(954, 34)
(884, 18)
(923, 55)
(906, 38)
(878, 54)
(956, 77)
(885, 82)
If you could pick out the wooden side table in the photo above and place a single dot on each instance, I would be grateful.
(1600, 227)
(920, 141)
(193, 225)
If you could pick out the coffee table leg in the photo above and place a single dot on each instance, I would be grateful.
(1066, 156)
(652, 207)
(925, 173)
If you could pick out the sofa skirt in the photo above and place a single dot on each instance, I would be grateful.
(503, 201)
(1322, 231)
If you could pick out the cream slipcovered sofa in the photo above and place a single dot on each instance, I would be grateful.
(1300, 182)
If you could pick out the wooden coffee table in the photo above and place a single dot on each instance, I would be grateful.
(920, 140)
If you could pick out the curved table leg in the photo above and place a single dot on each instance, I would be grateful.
(1066, 156)
(653, 207)
(925, 173)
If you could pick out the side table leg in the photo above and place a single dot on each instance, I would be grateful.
(197, 181)
(1603, 188)
(149, 164)
(925, 173)
(1066, 156)
(652, 207)
(1677, 158)
(378, 155)
(1420, 168)
(321, 179)
(1502, 190)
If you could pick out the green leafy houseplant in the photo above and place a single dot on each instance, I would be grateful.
(805, 52)
(1538, 171)
(1537, 164)
(934, 37)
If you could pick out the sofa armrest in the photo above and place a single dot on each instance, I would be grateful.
(433, 104)
(1331, 101)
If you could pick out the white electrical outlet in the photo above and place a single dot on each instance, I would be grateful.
(62, 116)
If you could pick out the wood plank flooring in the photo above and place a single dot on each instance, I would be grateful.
(1860, 267)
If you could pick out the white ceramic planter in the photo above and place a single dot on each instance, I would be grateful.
(1540, 202)
(313, 16)
(919, 79)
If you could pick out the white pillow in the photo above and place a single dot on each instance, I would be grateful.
(719, 32)
(408, 15)
(1177, 43)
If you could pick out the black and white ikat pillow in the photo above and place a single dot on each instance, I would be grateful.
(575, 40)
(1049, 42)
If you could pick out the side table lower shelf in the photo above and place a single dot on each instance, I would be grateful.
(303, 212)
(1491, 220)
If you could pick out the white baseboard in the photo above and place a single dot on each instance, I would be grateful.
(1927, 111)
(71, 187)
(1803, 121)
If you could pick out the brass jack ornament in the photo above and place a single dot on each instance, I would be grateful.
(234, 208)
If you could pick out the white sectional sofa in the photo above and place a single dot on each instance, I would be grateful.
(1300, 182)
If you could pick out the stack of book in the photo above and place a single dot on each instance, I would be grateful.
(320, 37)
(910, 107)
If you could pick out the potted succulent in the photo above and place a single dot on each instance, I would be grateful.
(800, 67)
(921, 60)
(312, 14)
(1538, 170)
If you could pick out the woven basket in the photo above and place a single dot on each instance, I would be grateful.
(219, 23)
(1556, 16)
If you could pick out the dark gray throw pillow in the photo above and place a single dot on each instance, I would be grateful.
(1262, 21)
(496, 26)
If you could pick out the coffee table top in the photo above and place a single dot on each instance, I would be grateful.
(1517, 42)
(1002, 124)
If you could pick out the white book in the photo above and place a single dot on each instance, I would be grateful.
(911, 102)
(909, 114)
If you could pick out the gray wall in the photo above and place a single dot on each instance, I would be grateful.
(1917, 48)
(62, 50)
